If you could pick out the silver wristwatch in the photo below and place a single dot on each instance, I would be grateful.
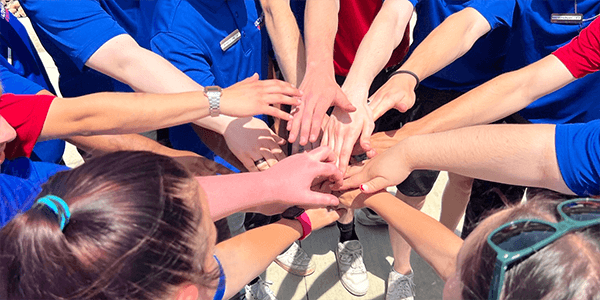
(213, 93)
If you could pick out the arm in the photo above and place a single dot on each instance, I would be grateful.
(449, 41)
(384, 35)
(277, 186)
(512, 154)
(319, 86)
(286, 39)
(245, 256)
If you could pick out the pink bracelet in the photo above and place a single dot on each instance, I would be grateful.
(306, 225)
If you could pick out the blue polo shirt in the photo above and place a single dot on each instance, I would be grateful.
(484, 60)
(20, 181)
(534, 37)
(189, 35)
(71, 31)
(14, 83)
(578, 156)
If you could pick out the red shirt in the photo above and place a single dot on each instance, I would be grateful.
(355, 18)
(26, 114)
(582, 54)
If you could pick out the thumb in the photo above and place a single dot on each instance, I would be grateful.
(374, 185)
(342, 102)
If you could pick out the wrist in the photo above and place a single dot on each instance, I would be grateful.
(407, 74)
(293, 224)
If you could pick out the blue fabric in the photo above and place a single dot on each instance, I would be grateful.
(20, 181)
(485, 59)
(578, 156)
(71, 31)
(534, 37)
(188, 34)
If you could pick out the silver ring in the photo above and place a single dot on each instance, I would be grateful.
(260, 161)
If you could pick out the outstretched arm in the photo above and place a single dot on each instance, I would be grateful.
(449, 41)
(512, 154)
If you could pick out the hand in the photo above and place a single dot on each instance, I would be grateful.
(200, 165)
(298, 176)
(398, 92)
(321, 217)
(251, 97)
(15, 8)
(297, 148)
(386, 169)
(250, 139)
(320, 91)
(344, 129)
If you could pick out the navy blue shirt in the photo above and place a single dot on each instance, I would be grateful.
(20, 181)
(534, 37)
(71, 31)
(189, 33)
(484, 60)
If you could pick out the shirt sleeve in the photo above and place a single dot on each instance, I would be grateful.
(578, 156)
(26, 114)
(78, 28)
(497, 12)
(185, 55)
(582, 55)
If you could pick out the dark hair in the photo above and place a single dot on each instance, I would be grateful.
(133, 234)
(568, 268)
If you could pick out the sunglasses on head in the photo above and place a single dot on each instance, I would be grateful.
(517, 240)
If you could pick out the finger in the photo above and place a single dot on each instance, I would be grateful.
(306, 122)
(274, 86)
(342, 102)
(269, 157)
(346, 152)
(251, 79)
(277, 98)
(325, 138)
(374, 185)
(372, 153)
(365, 136)
(278, 140)
(248, 162)
(277, 113)
(317, 118)
(323, 154)
(339, 142)
(354, 180)
(318, 199)
(378, 109)
(296, 123)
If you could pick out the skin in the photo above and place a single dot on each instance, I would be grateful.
(7, 134)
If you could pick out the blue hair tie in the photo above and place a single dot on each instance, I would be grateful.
(58, 206)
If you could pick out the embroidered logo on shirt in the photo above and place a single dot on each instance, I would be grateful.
(4, 14)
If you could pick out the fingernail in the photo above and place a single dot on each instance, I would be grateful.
(291, 117)
(303, 141)
(363, 187)
(313, 138)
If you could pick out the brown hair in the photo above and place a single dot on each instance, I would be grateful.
(569, 268)
(133, 234)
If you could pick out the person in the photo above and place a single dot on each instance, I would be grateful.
(105, 46)
(165, 233)
(545, 248)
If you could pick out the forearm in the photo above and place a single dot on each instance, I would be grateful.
(321, 23)
(247, 255)
(449, 41)
(384, 35)
(286, 39)
(228, 194)
(512, 154)
(497, 98)
(429, 238)
(103, 144)
(120, 113)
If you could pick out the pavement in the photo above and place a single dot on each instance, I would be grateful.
(324, 284)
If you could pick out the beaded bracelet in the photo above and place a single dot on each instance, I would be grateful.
(409, 73)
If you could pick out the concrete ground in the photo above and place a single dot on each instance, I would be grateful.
(324, 283)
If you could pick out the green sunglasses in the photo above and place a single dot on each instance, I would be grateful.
(517, 240)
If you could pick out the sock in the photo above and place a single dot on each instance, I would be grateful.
(347, 231)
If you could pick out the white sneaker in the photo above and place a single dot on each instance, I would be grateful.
(260, 291)
(400, 286)
(353, 274)
(296, 261)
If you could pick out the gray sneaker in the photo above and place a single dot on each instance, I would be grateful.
(400, 287)
(260, 291)
(296, 261)
(367, 218)
(353, 274)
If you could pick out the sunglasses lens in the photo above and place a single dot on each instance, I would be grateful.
(518, 236)
(582, 210)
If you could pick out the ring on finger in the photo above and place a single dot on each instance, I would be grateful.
(260, 161)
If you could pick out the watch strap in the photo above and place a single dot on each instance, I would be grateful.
(306, 225)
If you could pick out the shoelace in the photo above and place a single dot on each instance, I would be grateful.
(403, 288)
(264, 288)
(354, 258)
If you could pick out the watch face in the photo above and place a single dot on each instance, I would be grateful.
(212, 89)
(292, 213)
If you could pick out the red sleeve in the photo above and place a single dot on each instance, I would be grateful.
(26, 114)
(582, 55)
